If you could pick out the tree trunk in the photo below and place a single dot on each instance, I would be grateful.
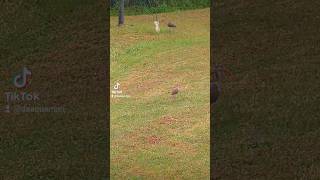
(121, 13)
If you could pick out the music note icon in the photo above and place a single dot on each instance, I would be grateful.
(21, 80)
(117, 86)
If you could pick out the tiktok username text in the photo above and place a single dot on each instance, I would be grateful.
(20, 97)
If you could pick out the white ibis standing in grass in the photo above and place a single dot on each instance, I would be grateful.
(157, 25)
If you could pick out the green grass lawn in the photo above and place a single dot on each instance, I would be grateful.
(155, 136)
(266, 124)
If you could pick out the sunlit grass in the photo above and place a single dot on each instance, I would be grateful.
(154, 135)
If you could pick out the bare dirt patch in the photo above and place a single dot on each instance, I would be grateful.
(167, 120)
(153, 139)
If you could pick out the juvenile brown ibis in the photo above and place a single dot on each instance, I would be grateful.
(175, 91)
(171, 25)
